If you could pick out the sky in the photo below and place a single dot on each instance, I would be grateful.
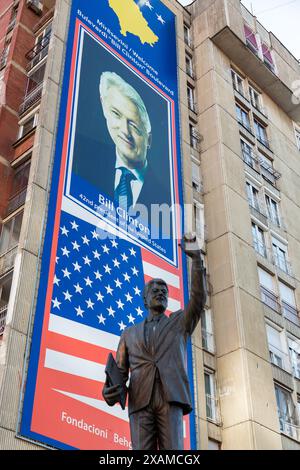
(282, 17)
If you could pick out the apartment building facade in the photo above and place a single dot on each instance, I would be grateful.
(240, 139)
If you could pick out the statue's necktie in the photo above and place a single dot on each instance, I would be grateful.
(123, 192)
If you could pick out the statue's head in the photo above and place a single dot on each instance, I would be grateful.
(156, 295)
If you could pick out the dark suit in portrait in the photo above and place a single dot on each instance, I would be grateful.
(96, 165)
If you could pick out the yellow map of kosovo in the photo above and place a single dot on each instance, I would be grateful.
(132, 21)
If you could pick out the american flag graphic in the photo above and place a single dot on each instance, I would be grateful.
(97, 293)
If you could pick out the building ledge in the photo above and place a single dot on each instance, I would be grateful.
(256, 69)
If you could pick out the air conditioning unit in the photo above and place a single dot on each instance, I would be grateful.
(35, 5)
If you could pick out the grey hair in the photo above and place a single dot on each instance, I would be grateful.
(110, 79)
(149, 284)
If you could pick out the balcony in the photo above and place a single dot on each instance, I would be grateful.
(16, 201)
(208, 341)
(7, 260)
(258, 212)
(288, 428)
(32, 98)
(38, 52)
(270, 299)
(213, 409)
(3, 313)
(229, 35)
(290, 313)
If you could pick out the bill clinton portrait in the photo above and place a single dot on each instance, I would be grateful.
(122, 163)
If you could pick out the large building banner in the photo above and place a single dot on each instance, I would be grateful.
(110, 227)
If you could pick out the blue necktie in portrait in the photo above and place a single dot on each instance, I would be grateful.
(123, 192)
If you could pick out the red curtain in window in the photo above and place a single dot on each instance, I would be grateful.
(250, 36)
(267, 53)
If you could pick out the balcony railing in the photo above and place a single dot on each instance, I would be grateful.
(257, 211)
(289, 428)
(3, 313)
(32, 98)
(16, 201)
(270, 299)
(7, 259)
(38, 52)
(208, 341)
(213, 409)
(290, 313)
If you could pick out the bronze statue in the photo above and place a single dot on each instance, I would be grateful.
(154, 351)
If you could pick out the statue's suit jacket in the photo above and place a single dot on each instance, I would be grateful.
(167, 354)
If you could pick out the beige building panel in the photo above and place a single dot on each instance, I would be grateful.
(234, 388)
(8, 441)
(234, 170)
(224, 92)
(34, 217)
(61, 19)
(238, 437)
(227, 333)
(291, 216)
(294, 251)
(23, 304)
(216, 216)
(230, 131)
(289, 444)
(265, 439)
(208, 125)
(238, 215)
(219, 256)
(251, 313)
(12, 379)
(207, 96)
(40, 167)
(212, 168)
(261, 392)
(204, 58)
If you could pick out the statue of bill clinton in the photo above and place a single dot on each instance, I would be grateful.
(154, 352)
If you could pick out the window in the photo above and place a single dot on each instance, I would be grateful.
(294, 349)
(4, 54)
(13, 18)
(273, 210)
(40, 50)
(248, 156)
(297, 133)
(243, 117)
(208, 342)
(187, 36)
(189, 66)
(277, 348)
(256, 99)
(33, 88)
(259, 240)
(10, 233)
(268, 59)
(268, 291)
(261, 133)
(288, 302)
(237, 82)
(211, 400)
(251, 39)
(196, 180)
(191, 99)
(253, 196)
(198, 219)
(280, 255)
(194, 137)
(27, 125)
(286, 411)
(267, 170)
